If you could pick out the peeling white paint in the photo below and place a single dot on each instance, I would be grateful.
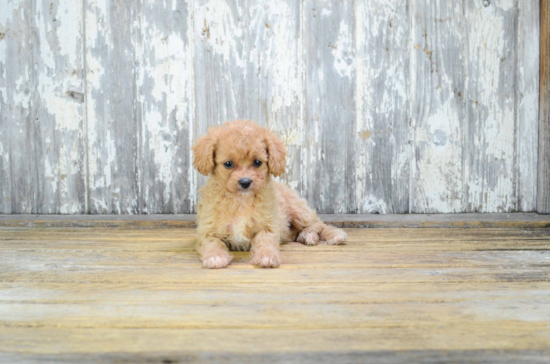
(97, 13)
(50, 175)
(65, 111)
(8, 9)
(22, 96)
(218, 26)
(495, 136)
(102, 152)
(527, 97)
(4, 153)
(193, 175)
(100, 205)
(170, 72)
(45, 63)
(343, 52)
(256, 48)
(162, 149)
(373, 205)
(438, 173)
(293, 184)
(362, 98)
(506, 4)
(290, 137)
(281, 55)
(68, 23)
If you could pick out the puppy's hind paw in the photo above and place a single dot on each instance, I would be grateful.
(333, 236)
(266, 259)
(217, 261)
(308, 237)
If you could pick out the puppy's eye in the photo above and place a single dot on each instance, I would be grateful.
(228, 164)
(257, 163)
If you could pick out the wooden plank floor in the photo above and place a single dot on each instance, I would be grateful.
(389, 295)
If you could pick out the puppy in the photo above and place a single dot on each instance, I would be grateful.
(241, 206)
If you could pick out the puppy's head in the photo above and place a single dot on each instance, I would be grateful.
(241, 155)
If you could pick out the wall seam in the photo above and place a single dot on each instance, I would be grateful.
(517, 149)
(466, 125)
(85, 114)
(412, 164)
(192, 178)
(137, 49)
(303, 103)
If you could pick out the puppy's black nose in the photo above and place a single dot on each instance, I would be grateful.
(245, 182)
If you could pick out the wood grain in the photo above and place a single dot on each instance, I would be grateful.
(491, 127)
(385, 106)
(438, 107)
(543, 190)
(42, 168)
(18, 182)
(248, 61)
(391, 294)
(330, 115)
(165, 107)
(112, 115)
(527, 108)
(382, 102)
(59, 136)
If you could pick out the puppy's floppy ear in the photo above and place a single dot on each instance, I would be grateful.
(203, 153)
(276, 151)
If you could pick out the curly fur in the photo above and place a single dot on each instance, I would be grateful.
(256, 219)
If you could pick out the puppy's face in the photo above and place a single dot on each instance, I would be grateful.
(240, 155)
(241, 163)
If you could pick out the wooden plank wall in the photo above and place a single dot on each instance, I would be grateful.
(390, 106)
(543, 201)
(42, 123)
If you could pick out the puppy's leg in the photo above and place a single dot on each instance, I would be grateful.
(332, 235)
(311, 229)
(321, 232)
(214, 253)
(310, 234)
(265, 250)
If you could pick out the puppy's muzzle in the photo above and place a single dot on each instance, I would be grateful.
(245, 183)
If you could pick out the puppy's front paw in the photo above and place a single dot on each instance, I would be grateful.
(266, 258)
(308, 237)
(333, 236)
(217, 260)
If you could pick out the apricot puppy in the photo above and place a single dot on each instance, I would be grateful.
(241, 206)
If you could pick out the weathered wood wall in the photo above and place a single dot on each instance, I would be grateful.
(387, 106)
(543, 198)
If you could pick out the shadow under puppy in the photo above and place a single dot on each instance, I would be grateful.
(241, 206)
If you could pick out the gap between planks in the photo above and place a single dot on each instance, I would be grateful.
(469, 220)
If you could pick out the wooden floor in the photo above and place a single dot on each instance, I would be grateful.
(96, 294)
